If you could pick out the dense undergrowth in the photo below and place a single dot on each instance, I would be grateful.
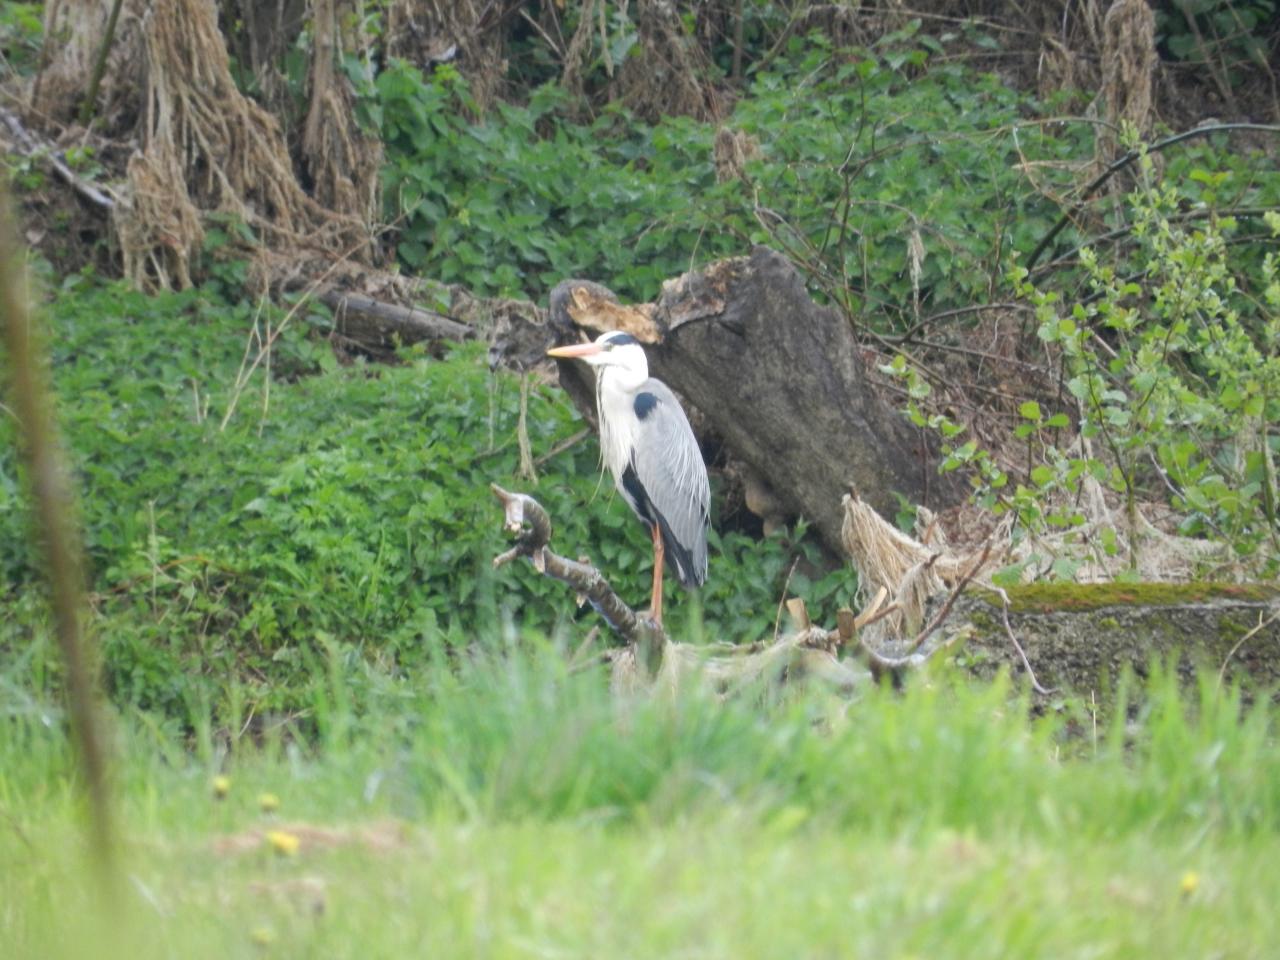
(341, 508)
(900, 180)
(345, 510)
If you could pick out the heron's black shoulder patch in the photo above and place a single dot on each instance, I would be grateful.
(645, 402)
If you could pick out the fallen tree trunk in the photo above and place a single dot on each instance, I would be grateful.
(780, 379)
(377, 323)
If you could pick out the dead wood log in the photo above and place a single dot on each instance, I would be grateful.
(371, 321)
(644, 656)
(26, 143)
(781, 379)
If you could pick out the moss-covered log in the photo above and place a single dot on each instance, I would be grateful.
(1080, 637)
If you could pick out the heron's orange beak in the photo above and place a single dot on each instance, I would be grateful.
(575, 350)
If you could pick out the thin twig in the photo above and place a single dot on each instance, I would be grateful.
(562, 446)
(1189, 216)
(777, 618)
(587, 642)
(1124, 161)
(879, 664)
(869, 613)
(1008, 629)
(28, 146)
(880, 615)
(545, 36)
(1262, 625)
(273, 335)
(956, 312)
(955, 593)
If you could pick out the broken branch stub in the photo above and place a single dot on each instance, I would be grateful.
(530, 522)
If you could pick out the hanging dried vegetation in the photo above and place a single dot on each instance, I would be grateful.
(208, 149)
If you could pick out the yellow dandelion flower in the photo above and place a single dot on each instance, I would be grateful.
(1190, 883)
(263, 936)
(284, 843)
(221, 787)
(269, 802)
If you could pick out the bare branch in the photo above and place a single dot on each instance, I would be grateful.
(1262, 625)
(880, 665)
(963, 582)
(810, 651)
(529, 521)
(28, 146)
(868, 615)
(1123, 162)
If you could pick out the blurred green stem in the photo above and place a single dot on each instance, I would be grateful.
(53, 505)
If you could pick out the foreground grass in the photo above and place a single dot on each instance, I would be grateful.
(505, 809)
(723, 887)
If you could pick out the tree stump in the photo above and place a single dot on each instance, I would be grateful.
(781, 380)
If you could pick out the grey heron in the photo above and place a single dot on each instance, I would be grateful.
(650, 449)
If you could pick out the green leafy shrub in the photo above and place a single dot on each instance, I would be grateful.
(892, 181)
(1173, 362)
(1220, 35)
(899, 181)
(21, 30)
(502, 208)
(887, 183)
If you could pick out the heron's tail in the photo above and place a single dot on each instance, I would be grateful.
(689, 560)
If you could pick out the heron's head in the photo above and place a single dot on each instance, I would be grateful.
(613, 349)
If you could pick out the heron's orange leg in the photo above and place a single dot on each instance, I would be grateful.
(655, 603)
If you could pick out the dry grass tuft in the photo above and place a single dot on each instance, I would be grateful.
(1129, 62)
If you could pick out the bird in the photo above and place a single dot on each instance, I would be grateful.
(649, 447)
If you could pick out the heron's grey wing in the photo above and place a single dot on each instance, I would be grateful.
(669, 466)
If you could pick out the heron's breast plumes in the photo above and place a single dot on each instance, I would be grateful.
(614, 404)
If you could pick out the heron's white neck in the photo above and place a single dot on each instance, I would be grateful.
(616, 389)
